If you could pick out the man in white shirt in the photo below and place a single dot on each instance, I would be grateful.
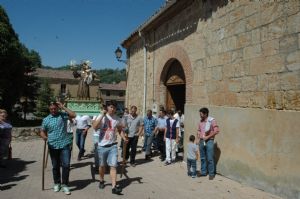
(83, 123)
(108, 124)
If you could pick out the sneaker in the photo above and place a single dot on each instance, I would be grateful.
(56, 187)
(101, 185)
(116, 190)
(193, 176)
(66, 189)
(211, 177)
(167, 163)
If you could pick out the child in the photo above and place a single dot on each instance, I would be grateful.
(192, 155)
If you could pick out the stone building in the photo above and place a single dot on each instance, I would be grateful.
(63, 83)
(241, 59)
(114, 92)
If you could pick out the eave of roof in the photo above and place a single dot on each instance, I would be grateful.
(154, 19)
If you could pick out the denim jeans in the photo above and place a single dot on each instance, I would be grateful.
(148, 143)
(80, 140)
(132, 143)
(60, 158)
(108, 156)
(191, 167)
(207, 157)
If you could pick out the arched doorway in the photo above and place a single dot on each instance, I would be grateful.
(175, 86)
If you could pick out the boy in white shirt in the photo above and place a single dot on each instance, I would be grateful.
(108, 124)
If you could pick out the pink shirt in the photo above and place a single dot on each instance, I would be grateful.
(213, 128)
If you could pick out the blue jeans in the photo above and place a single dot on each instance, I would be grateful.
(60, 157)
(108, 155)
(191, 167)
(148, 142)
(80, 141)
(207, 157)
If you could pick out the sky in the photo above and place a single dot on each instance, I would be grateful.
(65, 30)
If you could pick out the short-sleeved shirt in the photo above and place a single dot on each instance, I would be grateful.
(56, 128)
(192, 151)
(133, 124)
(83, 122)
(107, 130)
(161, 123)
(201, 127)
(149, 125)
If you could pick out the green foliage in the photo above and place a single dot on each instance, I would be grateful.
(45, 96)
(110, 76)
(17, 64)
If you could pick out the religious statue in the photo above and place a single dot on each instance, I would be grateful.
(86, 77)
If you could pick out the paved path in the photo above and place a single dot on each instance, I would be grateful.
(148, 180)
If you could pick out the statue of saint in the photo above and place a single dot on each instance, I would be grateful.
(86, 77)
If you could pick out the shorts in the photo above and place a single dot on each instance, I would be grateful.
(108, 155)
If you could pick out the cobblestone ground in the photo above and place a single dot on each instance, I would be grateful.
(148, 180)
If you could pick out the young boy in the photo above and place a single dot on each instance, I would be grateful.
(192, 155)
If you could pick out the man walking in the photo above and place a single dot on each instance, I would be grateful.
(171, 137)
(159, 133)
(207, 129)
(134, 124)
(54, 130)
(107, 124)
(83, 123)
(149, 126)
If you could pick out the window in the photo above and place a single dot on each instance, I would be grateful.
(63, 88)
(107, 93)
(121, 94)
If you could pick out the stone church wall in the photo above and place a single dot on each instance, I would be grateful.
(241, 60)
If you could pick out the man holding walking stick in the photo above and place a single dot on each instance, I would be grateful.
(54, 131)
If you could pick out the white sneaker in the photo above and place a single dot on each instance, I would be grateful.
(56, 187)
(66, 189)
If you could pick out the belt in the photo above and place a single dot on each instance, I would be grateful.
(109, 145)
(207, 140)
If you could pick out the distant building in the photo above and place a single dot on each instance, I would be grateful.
(114, 92)
(63, 83)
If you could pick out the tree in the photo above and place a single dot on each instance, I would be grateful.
(45, 96)
(16, 66)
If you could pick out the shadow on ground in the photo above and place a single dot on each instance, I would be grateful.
(9, 175)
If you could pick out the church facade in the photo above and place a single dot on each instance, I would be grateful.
(241, 59)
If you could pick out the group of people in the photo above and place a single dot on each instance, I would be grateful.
(166, 130)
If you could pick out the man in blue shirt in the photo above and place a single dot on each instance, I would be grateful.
(54, 130)
(149, 126)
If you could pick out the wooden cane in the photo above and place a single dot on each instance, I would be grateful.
(47, 155)
(124, 158)
(43, 168)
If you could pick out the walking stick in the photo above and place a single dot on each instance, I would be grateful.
(124, 158)
(43, 168)
(47, 155)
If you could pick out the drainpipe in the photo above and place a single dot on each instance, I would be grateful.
(145, 73)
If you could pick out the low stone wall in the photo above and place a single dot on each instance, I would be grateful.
(25, 133)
